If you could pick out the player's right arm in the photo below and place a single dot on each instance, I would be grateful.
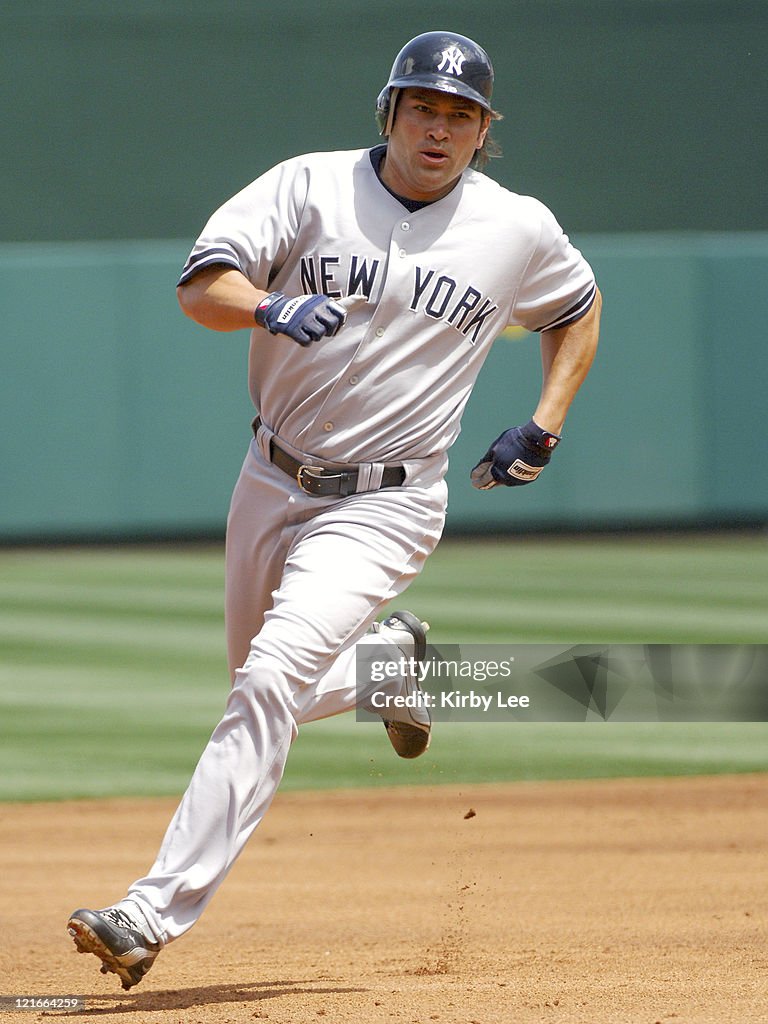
(223, 299)
(220, 298)
(242, 243)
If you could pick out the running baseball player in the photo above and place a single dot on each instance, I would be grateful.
(374, 283)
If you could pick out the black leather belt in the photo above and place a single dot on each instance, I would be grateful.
(321, 481)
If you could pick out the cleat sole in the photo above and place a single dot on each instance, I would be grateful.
(87, 941)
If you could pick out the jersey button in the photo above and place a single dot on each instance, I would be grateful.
(405, 226)
(402, 253)
(379, 332)
(354, 379)
(327, 426)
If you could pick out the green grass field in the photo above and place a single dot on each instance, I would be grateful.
(112, 669)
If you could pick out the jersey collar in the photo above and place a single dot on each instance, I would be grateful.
(411, 205)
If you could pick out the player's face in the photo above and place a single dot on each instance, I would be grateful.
(433, 140)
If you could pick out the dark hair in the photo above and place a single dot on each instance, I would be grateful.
(489, 150)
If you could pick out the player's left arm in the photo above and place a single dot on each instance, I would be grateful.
(519, 454)
(567, 354)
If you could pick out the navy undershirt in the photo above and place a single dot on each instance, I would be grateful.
(411, 205)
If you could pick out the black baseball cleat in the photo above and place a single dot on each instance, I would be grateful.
(410, 737)
(115, 939)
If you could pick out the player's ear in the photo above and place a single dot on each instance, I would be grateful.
(485, 124)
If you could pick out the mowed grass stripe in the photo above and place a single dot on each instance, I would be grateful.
(70, 629)
(614, 565)
(600, 567)
(122, 599)
(82, 686)
(46, 659)
(167, 560)
(676, 586)
(592, 620)
(342, 753)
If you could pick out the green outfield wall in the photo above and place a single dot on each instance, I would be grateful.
(120, 417)
(135, 119)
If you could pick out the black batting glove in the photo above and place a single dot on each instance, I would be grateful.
(516, 457)
(306, 318)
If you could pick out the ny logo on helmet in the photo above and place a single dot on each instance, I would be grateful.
(452, 61)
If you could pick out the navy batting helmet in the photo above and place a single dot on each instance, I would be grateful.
(444, 61)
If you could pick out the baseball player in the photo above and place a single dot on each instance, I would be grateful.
(374, 283)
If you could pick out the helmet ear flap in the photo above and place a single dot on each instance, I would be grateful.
(394, 94)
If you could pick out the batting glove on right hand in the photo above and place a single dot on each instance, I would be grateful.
(516, 457)
(306, 318)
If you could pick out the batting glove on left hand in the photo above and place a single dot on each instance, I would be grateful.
(306, 318)
(516, 457)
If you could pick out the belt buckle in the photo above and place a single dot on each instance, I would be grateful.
(306, 475)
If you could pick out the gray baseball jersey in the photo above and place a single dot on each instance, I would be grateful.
(439, 285)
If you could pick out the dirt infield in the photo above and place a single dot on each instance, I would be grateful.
(625, 902)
